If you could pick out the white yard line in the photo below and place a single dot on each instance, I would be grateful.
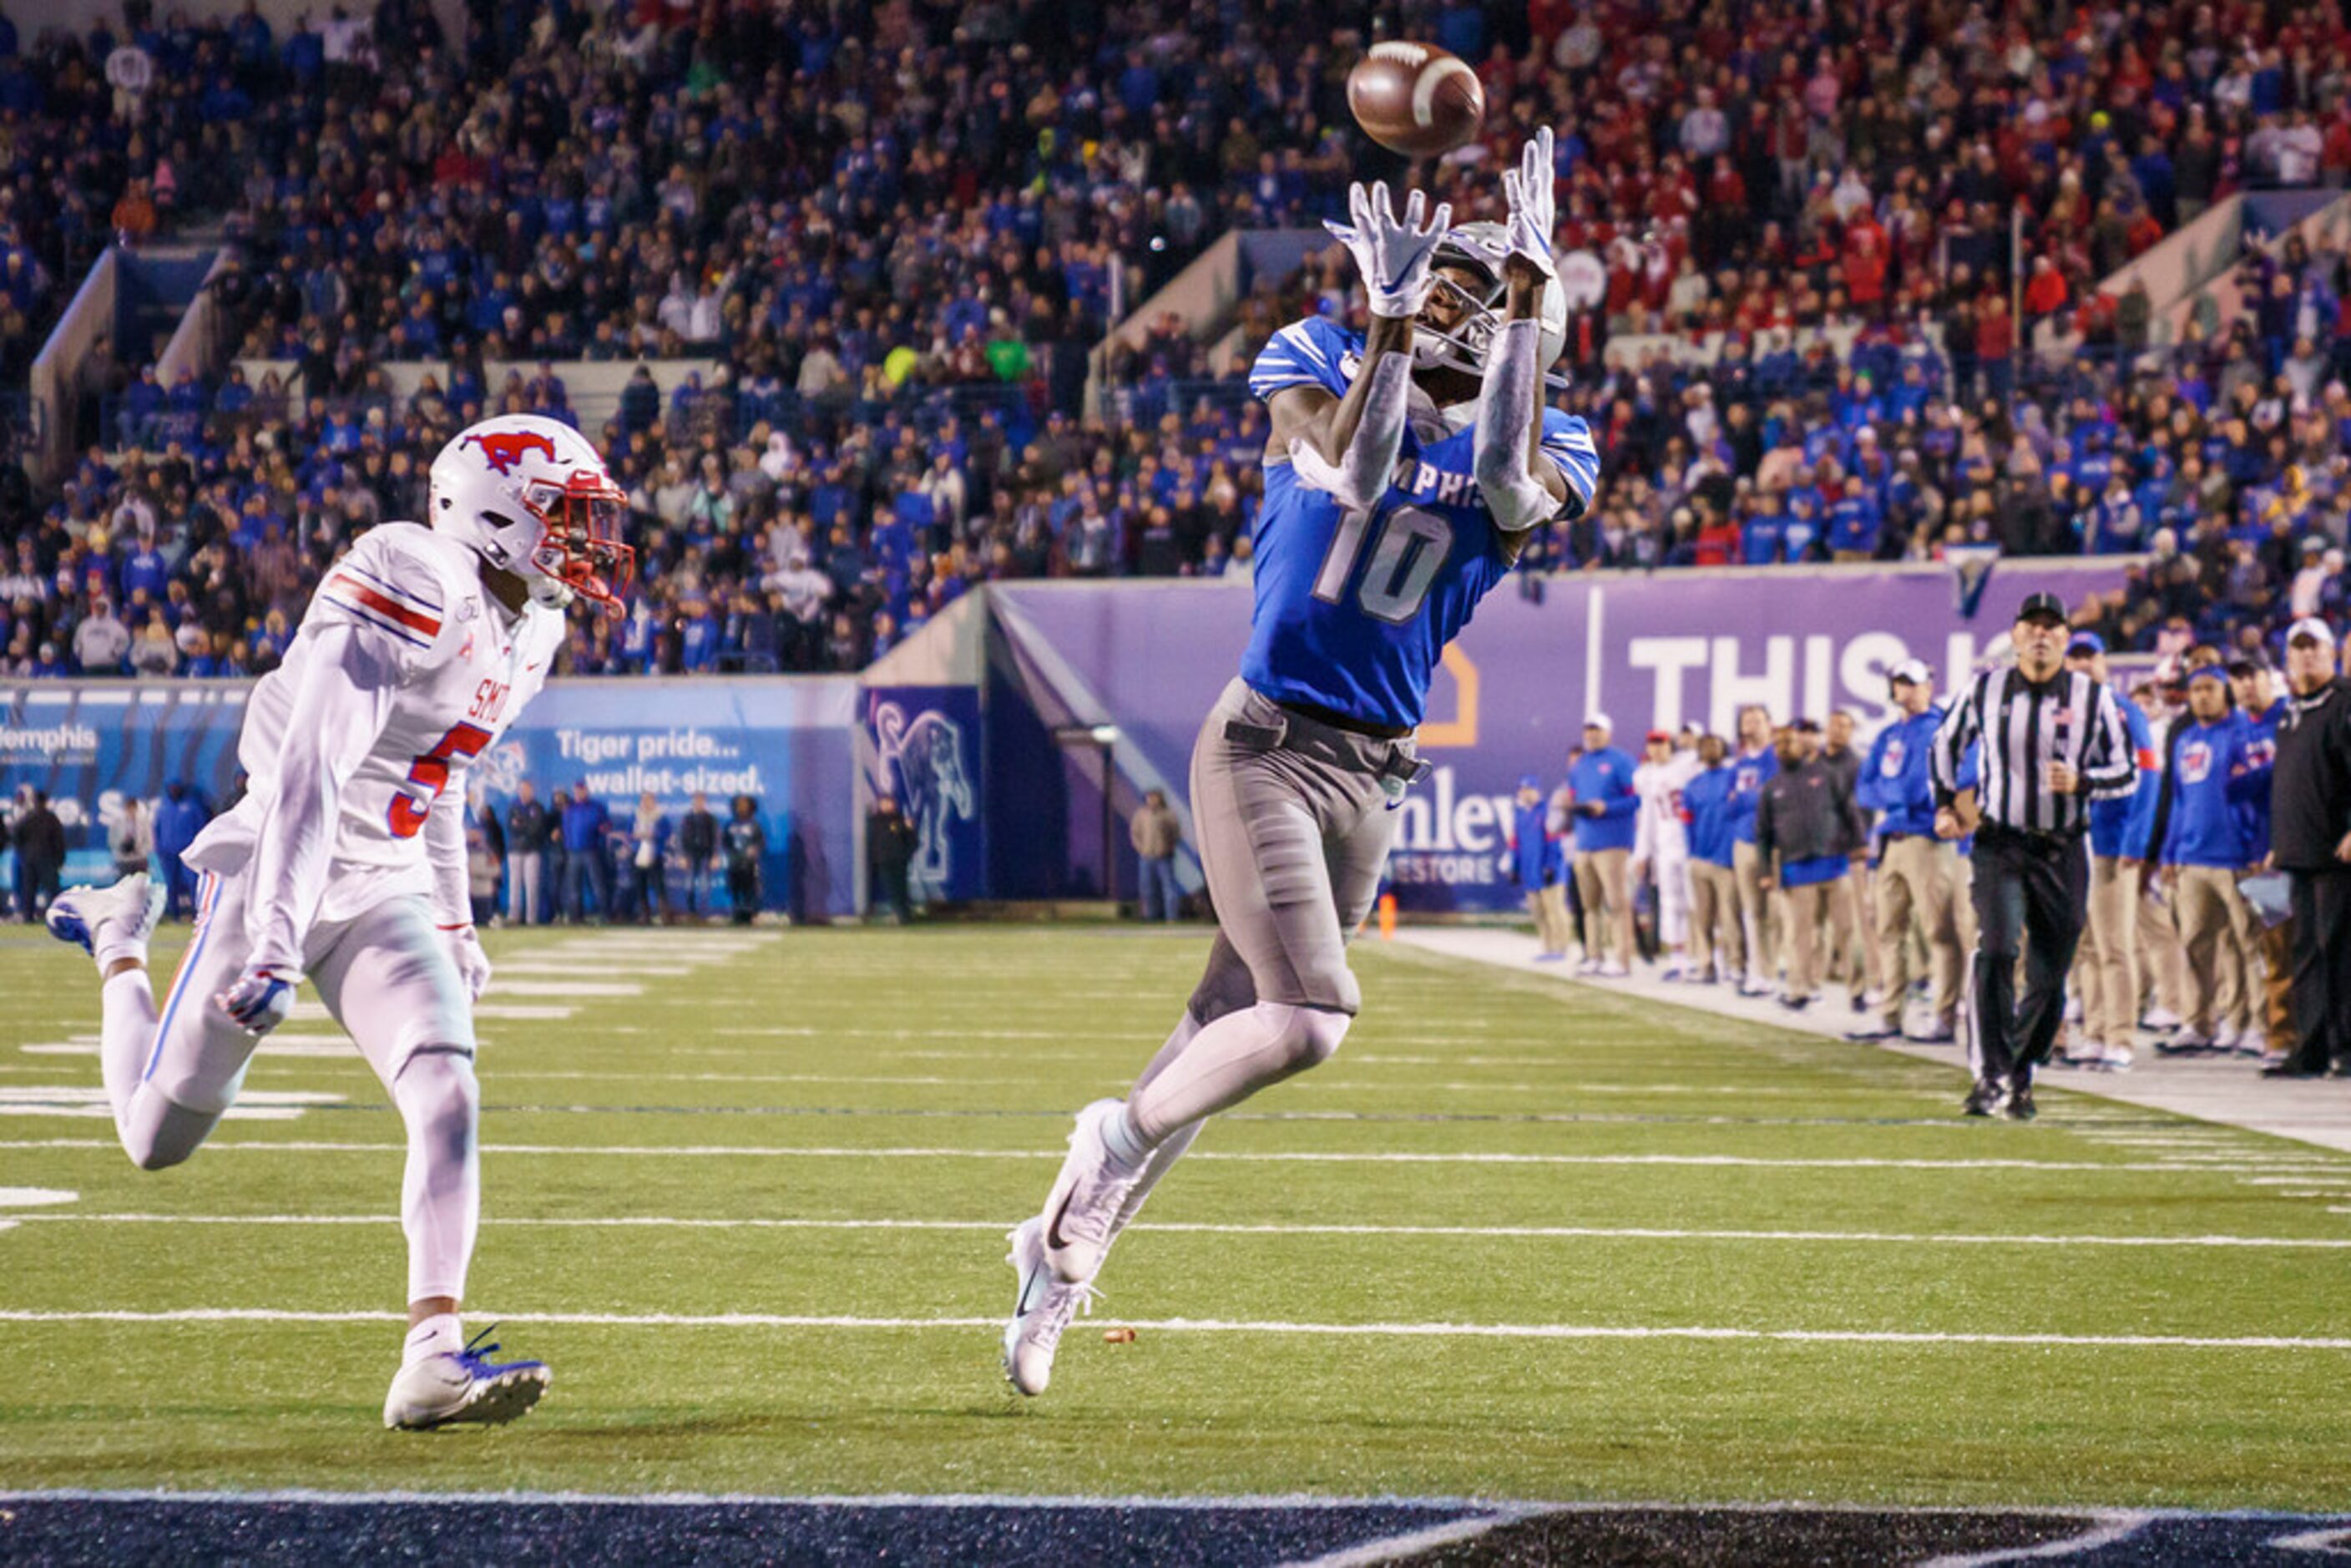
(714, 1151)
(1477, 1232)
(1556, 1331)
(2110, 1528)
(1412, 1544)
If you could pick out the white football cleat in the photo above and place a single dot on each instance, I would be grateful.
(1613, 969)
(2117, 1059)
(1042, 1307)
(2225, 1035)
(109, 922)
(1082, 1211)
(463, 1386)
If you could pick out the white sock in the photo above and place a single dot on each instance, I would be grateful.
(125, 1037)
(441, 1192)
(440, 1334)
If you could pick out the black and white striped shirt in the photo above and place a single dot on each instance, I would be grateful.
(2070, 718)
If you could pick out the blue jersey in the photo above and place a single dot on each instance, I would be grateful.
(1707, 799)
(1355, 607)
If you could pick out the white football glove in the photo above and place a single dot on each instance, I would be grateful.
(259, 1001)
(1392, 256)
(473, 964)
(1530, 192)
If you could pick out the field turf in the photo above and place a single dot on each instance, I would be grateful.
(1522, 1239)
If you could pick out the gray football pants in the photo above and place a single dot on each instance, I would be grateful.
(1292, 821)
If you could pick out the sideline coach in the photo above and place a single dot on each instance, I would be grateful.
(2053, 740)
(2310, 838)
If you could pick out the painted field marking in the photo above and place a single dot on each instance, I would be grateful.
(1482, 1232)
(89, 1101)
(1412, 1542)
(711, 1150)
(307, 1012)
(2110, 1528)
(34, 1197)
(501, 986)
(1562, 1332)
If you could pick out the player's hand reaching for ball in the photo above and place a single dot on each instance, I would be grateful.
(1391, 253)
(1528, 192)
(473, 964)
(259, 1001)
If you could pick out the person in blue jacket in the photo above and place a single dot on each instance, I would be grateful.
(2263, 705)
(2203, 849)
(1605, 806)
(1917, 873)
(584, 822)
(178, 820)
(2106, 975)
(1715, 928)
(1755, 766)
(1535, 863)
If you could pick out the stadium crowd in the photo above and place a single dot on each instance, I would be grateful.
(893, 233)
(1713, 856)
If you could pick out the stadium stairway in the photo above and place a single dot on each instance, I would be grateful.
(2228, 1090)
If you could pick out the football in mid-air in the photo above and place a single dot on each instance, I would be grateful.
(1416, 98)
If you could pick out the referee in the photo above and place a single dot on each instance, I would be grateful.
(2053, 741)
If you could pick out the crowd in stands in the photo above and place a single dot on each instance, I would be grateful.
(894, 231)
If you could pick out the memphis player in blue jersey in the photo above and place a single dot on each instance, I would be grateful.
(1403, 474)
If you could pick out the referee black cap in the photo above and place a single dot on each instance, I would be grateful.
(2043, 607)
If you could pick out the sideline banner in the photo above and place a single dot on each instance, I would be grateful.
(1650, 651)
(789, 742)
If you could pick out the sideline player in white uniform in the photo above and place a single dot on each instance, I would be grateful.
(346, 858)
(1661, 841)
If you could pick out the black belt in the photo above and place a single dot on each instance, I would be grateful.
(1999, 833)
(1381, 756)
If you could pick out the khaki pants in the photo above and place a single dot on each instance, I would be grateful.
(2107, 975)
(2215, 930)
(1759, 910)
(2276, 945)
(2162, 964)
(1553, 927)
(1714, 920)
(1916, 881)
(1863, 948)
(1808, 908)
(1600, 881)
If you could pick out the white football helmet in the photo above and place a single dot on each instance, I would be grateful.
(530, 496)
(1464, 348)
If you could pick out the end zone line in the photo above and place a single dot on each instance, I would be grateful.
(1211, 1325)
(1494, 1232)
(712, 1151)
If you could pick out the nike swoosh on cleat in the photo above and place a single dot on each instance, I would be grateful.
(1053, 1242)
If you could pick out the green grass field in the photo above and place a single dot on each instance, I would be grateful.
(842, 1124)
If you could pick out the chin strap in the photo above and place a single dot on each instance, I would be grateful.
(1506, 406)
(1361, 475)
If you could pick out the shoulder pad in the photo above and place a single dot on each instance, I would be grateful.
(396, 580)
(1312, 353)
(1567, 442)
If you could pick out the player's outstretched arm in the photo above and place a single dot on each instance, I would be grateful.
(1348, 445)
(1522, 488)
(342, 694)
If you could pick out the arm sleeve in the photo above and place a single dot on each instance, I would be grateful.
(1359, 477)
(1766, 830)
(445, 849)
(343, 687)
(1644, 834)
(2109, 763)
(1865, 786)
(1952, 742)
(1623, 803)
(2159, 815)
(1506, 406)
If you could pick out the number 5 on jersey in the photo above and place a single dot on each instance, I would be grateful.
(430, 774)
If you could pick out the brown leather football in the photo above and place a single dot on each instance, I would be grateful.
(1416, 98)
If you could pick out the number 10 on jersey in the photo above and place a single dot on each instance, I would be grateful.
(1412, 546)
(430, 775)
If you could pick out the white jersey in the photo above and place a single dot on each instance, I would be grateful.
(355, 749)
(1660, 835)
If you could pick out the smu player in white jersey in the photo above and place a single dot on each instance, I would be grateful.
(346, 858)
(1661, 841)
